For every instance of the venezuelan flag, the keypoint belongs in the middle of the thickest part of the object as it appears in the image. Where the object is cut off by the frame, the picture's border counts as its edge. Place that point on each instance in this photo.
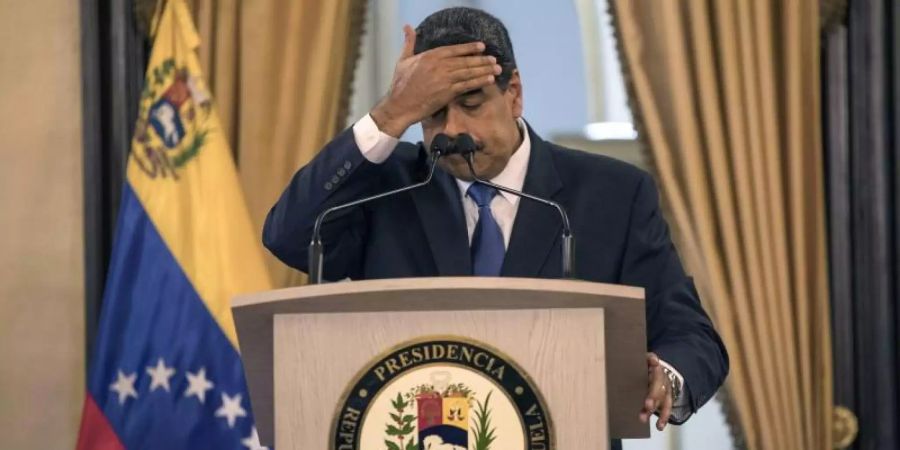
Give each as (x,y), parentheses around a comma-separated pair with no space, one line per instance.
(167,373)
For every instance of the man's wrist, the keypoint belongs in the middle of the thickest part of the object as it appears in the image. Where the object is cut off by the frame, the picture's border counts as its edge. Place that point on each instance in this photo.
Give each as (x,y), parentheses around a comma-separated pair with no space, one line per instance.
(674,381)
(375,145)
(388,119)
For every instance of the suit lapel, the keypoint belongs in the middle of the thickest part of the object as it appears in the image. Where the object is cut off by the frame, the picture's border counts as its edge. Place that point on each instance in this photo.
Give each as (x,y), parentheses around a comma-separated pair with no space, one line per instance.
(537,227)
(440,211)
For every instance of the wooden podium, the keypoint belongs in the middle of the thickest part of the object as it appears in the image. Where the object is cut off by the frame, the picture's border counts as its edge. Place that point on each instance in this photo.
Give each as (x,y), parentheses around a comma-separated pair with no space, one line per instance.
(580,346)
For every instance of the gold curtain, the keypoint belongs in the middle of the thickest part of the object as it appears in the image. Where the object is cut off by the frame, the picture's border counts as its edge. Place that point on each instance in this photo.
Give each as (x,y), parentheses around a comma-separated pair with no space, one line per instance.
(726,97)
(280,72)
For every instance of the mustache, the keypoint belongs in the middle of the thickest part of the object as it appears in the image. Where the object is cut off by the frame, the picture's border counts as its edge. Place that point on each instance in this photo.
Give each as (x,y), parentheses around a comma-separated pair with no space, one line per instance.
(458,145)
(479,145)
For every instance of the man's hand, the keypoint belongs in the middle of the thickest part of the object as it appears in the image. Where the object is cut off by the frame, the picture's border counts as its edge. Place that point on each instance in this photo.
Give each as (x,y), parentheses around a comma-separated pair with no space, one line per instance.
(659,399)
(427,82)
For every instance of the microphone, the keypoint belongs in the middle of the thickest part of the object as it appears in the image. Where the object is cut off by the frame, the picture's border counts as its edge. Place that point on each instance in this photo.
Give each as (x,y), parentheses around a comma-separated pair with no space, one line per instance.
(465,145)
(439,147)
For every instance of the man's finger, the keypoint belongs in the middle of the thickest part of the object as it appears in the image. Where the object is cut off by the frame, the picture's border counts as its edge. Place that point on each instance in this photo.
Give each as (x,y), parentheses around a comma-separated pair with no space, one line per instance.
(651,404)
(665,411)
(655,397)
(473,72)
(464,62)
(656,392)
(471,84)
(409,42)
(449,51)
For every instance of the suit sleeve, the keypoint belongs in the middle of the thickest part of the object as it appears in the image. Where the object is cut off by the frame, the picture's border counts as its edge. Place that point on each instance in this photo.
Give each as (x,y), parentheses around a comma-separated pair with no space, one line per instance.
(678,329)
(338,174)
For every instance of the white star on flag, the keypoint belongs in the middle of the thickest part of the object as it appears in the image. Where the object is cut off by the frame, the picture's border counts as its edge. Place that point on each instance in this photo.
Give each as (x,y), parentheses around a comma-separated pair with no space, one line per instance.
(252,441)
(231,409)
(124,386)
(159,375)
(198,385)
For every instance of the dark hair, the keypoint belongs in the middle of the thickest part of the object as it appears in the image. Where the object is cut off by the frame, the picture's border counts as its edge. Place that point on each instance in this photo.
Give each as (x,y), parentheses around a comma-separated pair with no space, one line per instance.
(461,25)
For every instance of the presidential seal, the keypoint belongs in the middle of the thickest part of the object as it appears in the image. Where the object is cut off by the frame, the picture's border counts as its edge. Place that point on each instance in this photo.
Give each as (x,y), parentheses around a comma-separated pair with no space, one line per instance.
(447,393)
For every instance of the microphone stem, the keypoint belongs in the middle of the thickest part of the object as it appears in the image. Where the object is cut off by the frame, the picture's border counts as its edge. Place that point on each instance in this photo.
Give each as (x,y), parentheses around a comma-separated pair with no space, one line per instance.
(568,241)
(316,253)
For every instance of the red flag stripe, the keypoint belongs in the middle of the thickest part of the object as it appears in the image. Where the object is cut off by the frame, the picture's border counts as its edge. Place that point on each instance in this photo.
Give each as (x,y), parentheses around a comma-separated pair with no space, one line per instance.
(96,433)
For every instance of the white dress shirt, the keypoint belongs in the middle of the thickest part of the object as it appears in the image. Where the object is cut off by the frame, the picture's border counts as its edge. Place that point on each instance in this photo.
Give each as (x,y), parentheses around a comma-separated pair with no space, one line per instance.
(504,206)
(376,146)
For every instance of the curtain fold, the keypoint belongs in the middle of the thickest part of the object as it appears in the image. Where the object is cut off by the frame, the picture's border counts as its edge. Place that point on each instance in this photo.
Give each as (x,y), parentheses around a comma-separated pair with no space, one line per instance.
(726,97)
(281,73)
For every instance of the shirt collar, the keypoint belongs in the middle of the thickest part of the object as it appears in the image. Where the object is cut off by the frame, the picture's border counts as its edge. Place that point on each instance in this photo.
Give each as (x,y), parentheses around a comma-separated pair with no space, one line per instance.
(513,175)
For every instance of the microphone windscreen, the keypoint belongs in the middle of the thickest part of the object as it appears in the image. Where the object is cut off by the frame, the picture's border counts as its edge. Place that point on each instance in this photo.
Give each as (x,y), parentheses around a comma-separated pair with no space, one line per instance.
(465,144)
(440,143)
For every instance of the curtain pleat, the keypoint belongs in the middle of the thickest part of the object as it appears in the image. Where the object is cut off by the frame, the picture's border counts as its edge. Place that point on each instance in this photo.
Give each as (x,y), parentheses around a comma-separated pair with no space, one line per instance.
(281,72)
(725,94)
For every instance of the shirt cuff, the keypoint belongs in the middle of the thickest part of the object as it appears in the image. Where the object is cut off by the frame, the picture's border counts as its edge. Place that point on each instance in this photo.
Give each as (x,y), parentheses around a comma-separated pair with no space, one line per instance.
(375,145)
(681,409)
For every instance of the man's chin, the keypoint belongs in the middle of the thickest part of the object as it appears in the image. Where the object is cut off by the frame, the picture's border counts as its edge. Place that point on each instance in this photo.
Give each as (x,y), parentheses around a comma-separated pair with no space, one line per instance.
(456,166)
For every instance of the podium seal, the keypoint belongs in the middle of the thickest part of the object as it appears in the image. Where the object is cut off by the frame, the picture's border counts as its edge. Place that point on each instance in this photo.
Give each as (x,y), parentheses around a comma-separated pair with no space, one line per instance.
(442,393)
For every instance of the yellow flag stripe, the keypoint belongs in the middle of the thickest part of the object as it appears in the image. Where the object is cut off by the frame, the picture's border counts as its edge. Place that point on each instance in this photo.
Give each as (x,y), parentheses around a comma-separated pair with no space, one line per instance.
(197,207)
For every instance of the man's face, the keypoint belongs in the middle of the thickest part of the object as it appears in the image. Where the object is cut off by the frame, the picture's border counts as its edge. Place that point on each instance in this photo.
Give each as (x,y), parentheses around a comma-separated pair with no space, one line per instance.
(489,116)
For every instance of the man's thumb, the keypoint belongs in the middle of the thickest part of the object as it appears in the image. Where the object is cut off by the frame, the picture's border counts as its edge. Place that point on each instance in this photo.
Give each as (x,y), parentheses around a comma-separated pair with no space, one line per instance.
(409,41)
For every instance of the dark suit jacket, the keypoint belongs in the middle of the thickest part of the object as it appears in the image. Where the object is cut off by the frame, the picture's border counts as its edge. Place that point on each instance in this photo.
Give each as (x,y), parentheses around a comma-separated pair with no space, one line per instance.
(620,236)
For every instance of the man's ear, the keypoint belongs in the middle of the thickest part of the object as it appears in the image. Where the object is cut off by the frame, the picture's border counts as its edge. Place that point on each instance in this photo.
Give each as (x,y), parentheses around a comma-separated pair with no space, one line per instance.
(514,94)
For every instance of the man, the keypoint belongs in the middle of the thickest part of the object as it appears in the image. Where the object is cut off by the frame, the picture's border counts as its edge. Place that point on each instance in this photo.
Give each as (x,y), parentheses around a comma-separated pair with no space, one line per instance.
(457,74)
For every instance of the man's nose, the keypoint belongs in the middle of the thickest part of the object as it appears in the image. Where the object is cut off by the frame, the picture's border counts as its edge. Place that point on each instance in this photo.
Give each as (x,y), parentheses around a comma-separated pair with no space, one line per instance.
(455,124)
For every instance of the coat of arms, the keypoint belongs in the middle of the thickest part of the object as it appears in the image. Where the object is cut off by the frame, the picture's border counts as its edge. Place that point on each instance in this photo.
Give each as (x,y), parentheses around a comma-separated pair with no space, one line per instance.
(443,414)
(172,125)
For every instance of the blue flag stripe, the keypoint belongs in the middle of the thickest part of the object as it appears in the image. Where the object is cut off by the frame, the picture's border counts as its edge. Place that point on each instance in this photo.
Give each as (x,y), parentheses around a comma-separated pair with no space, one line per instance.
(151,312)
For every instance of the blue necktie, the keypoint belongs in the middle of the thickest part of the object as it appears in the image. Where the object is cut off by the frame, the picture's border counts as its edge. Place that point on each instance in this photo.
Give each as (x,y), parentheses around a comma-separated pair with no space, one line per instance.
(487,240)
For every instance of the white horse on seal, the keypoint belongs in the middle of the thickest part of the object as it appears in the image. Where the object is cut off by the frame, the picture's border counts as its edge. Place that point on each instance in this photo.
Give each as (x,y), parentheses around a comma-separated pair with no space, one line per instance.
(436,443)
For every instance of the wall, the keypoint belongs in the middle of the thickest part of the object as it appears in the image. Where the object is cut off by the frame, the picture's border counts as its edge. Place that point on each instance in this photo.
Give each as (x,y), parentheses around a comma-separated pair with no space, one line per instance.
(41,268)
